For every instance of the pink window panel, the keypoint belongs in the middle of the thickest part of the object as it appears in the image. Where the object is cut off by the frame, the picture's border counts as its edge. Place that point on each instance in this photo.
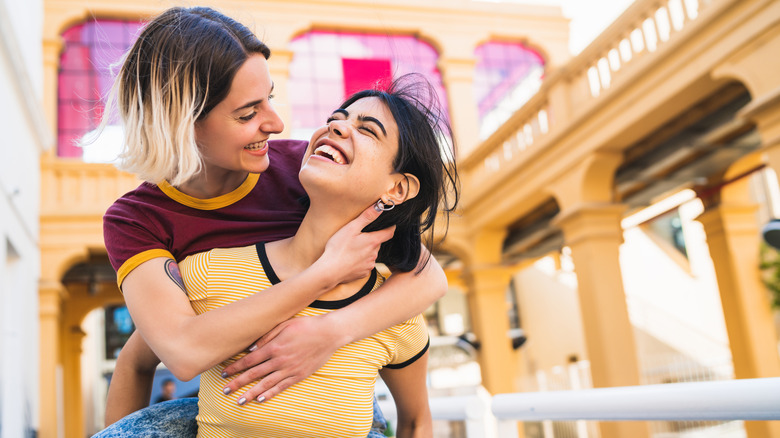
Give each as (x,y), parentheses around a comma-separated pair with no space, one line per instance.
(329,66)
(362,74)
(85,77)
(500,66)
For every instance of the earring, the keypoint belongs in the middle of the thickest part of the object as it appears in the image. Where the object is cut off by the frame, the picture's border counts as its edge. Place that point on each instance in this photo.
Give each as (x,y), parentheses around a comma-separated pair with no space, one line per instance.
(381,206)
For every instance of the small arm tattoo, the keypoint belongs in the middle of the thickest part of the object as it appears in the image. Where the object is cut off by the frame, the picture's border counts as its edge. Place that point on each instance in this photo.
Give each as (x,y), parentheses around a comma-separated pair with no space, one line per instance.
(172,269)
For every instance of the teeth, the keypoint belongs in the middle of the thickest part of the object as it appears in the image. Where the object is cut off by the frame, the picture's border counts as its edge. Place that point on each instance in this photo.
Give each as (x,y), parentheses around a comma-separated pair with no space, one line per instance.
(255,146)
(330,152)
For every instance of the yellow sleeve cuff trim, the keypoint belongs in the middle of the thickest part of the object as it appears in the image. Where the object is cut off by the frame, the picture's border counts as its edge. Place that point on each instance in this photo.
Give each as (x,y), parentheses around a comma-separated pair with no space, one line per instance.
(136,260)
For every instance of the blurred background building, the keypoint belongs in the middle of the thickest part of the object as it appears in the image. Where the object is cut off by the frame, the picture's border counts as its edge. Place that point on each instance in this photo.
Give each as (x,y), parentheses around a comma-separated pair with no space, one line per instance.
(609,233)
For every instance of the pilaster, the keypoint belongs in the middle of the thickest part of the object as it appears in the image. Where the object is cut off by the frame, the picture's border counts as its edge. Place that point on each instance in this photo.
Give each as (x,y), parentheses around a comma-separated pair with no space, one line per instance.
(458,79)
(487,282)
(50,296)
(594,234)
(74,402)
(765,113)
(487,288)
(52,48)
(733,239)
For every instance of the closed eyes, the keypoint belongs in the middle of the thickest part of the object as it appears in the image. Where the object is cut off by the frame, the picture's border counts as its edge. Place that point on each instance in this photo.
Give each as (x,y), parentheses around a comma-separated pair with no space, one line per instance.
(365,127)
(251,116)
(248,117)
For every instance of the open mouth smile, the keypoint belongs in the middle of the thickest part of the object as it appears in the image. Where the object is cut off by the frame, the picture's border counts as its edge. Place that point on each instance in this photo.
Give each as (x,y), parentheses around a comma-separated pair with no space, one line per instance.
(331,153)
(256,146)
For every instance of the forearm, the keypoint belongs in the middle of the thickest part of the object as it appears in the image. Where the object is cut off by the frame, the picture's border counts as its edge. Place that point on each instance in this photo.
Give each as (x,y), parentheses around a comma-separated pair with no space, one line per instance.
(189,344)
(419,427)
(410,392)
(402,297)
(131,382)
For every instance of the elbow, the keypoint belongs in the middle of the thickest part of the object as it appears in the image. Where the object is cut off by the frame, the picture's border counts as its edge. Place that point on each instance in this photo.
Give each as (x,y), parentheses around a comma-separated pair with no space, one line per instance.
(183,363)
(183,372)
(438,278)
(441,289)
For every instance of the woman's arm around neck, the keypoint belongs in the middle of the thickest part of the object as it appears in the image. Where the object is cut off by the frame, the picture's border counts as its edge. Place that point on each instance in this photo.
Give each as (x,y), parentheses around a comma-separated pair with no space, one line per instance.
(307,343)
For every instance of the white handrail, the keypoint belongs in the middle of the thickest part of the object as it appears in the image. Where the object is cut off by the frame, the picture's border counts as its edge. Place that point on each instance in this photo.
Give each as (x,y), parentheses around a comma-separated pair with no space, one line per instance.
(744,399)
(473,410)
(497,416)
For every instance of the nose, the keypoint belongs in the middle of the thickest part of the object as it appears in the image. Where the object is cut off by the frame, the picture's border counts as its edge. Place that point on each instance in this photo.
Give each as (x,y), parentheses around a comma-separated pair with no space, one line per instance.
(272,123)
(339,127)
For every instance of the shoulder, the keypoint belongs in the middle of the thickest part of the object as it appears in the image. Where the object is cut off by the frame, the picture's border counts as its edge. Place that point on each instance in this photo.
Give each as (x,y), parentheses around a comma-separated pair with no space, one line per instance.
(131,225)
(289,144)
(286,157)
(411,341)
(288,150)
(145,195)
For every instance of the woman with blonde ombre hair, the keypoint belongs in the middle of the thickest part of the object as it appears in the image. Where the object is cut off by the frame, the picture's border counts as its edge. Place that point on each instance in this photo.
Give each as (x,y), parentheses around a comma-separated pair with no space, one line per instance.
(193,94)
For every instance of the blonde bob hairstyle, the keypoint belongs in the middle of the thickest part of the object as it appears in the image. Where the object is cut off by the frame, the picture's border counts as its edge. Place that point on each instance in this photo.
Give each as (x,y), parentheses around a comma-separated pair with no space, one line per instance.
(180,67)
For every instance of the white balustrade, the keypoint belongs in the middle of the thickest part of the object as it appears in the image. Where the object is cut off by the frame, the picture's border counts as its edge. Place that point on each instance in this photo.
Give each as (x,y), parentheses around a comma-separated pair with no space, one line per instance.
(644,29)
(744,399)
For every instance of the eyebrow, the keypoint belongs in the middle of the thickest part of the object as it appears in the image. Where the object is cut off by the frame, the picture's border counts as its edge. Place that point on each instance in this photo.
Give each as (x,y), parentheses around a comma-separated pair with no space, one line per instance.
(363,118)
(254,102)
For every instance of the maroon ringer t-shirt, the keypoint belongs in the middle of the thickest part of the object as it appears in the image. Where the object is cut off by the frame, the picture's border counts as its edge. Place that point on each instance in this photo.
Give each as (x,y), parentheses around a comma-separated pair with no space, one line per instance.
(160,221)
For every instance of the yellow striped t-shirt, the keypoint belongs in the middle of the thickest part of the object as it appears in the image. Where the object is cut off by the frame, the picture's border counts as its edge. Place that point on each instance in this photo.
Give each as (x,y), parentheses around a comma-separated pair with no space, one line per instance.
(336,401)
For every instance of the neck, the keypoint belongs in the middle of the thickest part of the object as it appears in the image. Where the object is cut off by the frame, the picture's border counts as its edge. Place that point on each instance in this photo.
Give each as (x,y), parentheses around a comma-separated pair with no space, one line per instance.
(293,255)
(207,185)
(317,227)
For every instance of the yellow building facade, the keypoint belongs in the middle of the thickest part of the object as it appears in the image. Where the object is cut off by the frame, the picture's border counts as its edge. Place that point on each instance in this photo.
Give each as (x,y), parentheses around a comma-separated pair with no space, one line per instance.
(673,95)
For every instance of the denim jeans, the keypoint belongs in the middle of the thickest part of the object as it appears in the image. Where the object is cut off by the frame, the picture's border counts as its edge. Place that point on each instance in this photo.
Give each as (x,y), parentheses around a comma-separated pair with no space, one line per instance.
(176,419)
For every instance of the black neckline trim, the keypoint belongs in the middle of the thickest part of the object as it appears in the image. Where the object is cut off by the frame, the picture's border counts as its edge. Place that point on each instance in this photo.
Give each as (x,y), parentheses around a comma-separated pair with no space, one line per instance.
(269,270)
(317,304)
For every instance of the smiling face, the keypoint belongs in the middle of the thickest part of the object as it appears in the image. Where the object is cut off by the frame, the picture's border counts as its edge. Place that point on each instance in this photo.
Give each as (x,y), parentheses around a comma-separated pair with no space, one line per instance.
(233,136)
(352,156)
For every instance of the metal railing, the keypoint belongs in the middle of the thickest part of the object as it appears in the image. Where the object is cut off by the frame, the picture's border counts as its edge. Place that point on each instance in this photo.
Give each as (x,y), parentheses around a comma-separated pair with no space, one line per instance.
(497,416)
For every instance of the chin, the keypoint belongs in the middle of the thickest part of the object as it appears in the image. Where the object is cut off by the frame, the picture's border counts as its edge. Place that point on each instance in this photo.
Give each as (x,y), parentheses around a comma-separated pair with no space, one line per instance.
(313,181)
(260,166)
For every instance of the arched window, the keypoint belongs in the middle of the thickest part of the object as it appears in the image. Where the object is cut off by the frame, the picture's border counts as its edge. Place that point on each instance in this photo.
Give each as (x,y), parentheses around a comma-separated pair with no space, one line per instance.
(506,76)
(329,66)
(84,79)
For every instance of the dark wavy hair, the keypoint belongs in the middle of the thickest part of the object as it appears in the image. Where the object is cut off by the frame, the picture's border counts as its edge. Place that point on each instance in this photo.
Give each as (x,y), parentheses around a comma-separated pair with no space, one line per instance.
(425,150)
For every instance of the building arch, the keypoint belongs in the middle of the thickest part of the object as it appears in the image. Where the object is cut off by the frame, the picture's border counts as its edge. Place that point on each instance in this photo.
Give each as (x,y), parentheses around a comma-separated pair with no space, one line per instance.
(590,181)
(455,247)
(735,179)
(57,263)
(749,64)
(89,285)
(526,42)
(326,66)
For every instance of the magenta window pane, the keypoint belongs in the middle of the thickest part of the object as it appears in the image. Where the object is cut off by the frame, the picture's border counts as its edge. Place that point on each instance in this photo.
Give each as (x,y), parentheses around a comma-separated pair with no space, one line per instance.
(73,34)
(77,58)
(500,67)
(85,77)
(319,76)
(77,119)
(66,145)
(360,74)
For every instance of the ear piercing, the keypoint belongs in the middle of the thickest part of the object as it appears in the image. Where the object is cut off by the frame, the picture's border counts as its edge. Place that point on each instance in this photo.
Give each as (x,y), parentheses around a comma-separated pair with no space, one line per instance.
(381,206)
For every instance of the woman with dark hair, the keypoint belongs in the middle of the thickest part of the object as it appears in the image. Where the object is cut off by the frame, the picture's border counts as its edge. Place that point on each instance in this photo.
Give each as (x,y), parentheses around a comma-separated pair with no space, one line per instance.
(193,94)
(380,148)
